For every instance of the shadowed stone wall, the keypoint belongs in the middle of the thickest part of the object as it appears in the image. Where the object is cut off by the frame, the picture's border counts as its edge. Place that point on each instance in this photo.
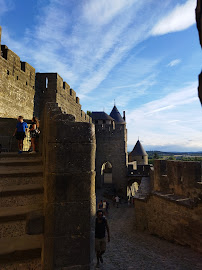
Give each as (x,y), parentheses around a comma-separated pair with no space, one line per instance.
(199,26)
(17,85)
(111,145)
(180,178)
(173,210)
(69,162)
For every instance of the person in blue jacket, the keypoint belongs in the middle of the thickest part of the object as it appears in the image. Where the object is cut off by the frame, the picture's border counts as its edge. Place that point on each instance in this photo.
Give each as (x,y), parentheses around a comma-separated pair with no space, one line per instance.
(20,132)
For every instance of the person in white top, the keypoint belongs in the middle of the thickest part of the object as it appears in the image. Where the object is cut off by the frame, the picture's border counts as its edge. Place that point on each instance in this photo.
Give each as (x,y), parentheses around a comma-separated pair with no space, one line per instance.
(117,199)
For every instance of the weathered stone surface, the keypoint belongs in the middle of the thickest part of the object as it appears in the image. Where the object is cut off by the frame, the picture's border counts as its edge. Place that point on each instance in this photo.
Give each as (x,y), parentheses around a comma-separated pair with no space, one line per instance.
(69,193)
(70,187)
(199,26)
(170,220)
(51,88)
(35,222)
(111,146)
(17,85)
(177,177)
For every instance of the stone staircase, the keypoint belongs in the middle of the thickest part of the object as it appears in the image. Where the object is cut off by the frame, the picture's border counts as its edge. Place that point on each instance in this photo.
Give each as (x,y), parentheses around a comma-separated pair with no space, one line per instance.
(21,189)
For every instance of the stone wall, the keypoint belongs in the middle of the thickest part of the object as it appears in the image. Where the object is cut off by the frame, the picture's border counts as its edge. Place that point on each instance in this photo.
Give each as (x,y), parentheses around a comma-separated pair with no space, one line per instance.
(173,209)
(17,85)
(170,220)
(180,178)
(199,19)
(199,26)
(50,87)
(69,187)
(111,145)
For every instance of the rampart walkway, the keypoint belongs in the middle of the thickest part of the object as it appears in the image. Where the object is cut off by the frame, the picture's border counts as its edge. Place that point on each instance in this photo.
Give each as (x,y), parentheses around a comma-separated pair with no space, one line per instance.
(132,250)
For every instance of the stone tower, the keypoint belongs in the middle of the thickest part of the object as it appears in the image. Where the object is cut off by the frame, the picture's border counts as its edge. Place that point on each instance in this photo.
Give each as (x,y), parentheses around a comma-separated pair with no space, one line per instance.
(111,147)
(138,154)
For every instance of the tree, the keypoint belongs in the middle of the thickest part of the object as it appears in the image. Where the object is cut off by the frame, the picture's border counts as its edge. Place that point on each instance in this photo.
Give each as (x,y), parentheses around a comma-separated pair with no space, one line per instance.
(155,156)
(89,113)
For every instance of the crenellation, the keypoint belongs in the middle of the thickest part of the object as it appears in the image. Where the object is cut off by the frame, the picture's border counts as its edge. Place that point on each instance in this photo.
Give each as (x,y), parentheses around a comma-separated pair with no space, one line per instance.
(17,87)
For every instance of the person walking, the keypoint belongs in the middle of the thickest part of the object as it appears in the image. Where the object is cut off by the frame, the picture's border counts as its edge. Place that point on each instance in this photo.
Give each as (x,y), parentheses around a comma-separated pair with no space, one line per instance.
(20,132)
(117,199)
(34,133)
(101,226)
(100,205)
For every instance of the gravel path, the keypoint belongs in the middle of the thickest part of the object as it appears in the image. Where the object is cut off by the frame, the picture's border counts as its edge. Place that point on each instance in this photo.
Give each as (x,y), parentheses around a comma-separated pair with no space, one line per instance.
(132,250)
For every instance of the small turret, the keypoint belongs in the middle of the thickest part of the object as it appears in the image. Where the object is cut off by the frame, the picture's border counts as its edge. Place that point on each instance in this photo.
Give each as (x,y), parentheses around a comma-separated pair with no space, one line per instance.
(138,154)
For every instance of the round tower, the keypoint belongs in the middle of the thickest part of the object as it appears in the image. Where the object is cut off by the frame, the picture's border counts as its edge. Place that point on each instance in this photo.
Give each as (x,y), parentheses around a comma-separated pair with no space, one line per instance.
(138,154)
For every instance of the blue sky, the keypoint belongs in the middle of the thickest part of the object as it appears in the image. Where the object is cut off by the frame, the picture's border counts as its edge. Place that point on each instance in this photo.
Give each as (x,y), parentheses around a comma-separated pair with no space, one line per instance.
(144,54)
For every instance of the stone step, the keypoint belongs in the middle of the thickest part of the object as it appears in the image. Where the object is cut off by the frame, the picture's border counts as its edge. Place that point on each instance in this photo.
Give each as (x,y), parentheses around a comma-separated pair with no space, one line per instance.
(21,162)
(19,195)
(14,155)
(17,213)
(20,248)
(13,219)
(21,180)
(20,171)
(21,190)
(27,264)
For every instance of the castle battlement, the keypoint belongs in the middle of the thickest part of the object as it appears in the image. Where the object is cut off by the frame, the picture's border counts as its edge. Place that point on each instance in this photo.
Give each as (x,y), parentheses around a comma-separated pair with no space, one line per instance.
(20,96)
(50,87)
(110,129)
(17,85)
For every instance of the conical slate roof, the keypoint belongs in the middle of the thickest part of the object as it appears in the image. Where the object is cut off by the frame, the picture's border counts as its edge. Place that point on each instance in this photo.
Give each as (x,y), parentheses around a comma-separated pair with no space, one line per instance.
(138,150)
(101,116)
(116,115)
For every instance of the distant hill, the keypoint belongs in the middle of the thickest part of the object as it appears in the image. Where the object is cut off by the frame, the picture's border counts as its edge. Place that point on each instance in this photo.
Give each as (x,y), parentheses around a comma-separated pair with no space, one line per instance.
(160,153)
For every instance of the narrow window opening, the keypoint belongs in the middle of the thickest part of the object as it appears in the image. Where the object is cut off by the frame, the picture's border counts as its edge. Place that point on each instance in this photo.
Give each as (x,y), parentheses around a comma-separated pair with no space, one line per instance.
(71,91)
(17,77)
(26,83)
(46,82)
(8,72)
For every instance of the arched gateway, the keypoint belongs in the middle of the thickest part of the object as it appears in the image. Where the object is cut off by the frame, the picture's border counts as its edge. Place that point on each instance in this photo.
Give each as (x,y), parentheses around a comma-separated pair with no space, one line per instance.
(111,146)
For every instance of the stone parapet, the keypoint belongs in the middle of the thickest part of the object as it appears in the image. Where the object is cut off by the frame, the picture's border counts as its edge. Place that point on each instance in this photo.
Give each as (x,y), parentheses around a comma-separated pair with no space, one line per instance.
(171,218)
(50,87)
(17,86)
(69,190)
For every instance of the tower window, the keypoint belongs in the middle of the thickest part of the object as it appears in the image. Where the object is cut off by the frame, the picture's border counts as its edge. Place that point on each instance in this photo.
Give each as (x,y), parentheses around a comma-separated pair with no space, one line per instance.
(46,82)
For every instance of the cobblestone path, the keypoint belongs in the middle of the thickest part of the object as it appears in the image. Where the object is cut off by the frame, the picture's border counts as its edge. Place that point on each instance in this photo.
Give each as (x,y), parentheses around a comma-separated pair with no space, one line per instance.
(132,250)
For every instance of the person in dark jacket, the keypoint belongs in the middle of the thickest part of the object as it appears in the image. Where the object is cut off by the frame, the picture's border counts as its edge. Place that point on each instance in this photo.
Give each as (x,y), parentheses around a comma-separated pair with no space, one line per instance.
(101,226)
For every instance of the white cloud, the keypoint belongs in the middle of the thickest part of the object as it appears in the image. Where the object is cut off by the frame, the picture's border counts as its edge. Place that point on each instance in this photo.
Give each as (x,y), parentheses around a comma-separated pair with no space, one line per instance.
(5,6)
(104,11)
(171,120)
(174,63)
(181,18)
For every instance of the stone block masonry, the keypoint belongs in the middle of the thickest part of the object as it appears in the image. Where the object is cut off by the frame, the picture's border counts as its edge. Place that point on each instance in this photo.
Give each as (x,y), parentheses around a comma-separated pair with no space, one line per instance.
(50,87)
(69,187)
(17,85)
(173,209)
(111,146)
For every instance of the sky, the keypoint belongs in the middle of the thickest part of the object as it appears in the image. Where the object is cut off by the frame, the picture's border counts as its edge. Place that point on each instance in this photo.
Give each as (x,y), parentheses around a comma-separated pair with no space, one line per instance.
(144,54)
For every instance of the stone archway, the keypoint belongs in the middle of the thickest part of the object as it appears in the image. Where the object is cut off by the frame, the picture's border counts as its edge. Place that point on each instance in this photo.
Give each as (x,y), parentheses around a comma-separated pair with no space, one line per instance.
(106,173)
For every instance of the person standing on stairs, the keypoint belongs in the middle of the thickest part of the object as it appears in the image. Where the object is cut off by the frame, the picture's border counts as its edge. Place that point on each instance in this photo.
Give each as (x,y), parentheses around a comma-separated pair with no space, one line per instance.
(20,132)
(34,134)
